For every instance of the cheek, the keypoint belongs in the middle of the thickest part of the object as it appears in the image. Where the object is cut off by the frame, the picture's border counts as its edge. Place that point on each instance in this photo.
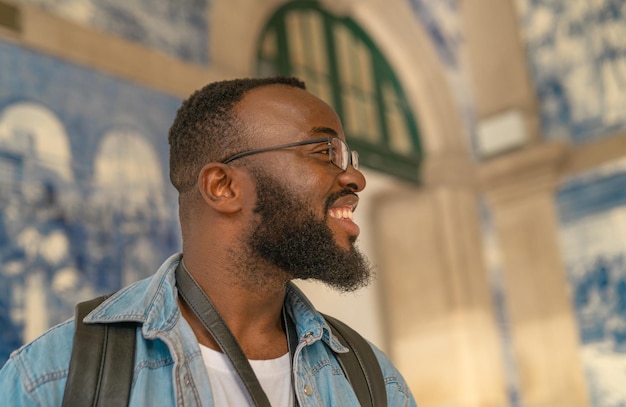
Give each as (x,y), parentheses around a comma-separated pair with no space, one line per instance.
(313,184)
(310,181)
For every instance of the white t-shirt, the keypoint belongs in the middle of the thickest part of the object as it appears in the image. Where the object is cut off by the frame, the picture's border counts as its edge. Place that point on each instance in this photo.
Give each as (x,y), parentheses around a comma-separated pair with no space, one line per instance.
(228,389)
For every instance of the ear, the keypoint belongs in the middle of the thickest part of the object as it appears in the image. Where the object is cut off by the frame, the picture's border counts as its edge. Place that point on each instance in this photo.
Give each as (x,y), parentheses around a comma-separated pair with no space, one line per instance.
(220,187)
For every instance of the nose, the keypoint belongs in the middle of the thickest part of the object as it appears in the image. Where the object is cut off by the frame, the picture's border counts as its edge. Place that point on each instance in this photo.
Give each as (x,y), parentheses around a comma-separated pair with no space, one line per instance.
(352,179)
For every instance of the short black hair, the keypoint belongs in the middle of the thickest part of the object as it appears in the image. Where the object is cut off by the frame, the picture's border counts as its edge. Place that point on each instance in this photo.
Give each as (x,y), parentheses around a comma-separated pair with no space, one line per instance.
(206,130)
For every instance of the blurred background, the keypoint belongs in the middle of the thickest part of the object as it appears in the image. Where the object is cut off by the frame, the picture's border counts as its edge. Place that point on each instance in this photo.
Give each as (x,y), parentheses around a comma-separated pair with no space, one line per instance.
(492,134)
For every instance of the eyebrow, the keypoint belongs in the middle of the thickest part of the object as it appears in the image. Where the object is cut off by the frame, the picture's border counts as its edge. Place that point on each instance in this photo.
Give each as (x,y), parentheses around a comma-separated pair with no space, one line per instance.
(315,131)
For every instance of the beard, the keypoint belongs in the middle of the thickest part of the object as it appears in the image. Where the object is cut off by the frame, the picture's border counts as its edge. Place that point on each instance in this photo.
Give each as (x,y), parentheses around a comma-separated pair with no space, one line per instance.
(291,237)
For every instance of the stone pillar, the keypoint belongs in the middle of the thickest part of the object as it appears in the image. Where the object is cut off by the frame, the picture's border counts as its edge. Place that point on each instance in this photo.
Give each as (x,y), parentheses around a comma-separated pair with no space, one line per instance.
(520,188)
(441,325)
(495,56)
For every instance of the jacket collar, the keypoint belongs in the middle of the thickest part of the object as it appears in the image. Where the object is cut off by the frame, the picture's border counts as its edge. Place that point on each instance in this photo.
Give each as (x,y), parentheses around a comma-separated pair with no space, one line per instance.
(153,302)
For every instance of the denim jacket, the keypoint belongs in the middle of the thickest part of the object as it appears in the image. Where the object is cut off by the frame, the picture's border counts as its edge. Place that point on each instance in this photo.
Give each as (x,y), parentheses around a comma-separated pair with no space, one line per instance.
(169,369)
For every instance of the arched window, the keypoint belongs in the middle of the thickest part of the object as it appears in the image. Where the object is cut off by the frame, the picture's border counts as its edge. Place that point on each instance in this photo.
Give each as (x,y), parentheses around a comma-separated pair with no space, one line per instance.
(343,66)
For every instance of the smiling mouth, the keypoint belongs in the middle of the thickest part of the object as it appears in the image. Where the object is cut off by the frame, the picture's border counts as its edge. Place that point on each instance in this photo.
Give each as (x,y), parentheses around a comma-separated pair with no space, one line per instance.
(344,206)
(342,211)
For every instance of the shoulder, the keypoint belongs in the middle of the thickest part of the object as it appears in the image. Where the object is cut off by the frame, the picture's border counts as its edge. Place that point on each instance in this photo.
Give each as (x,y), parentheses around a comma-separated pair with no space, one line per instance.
(39,367)
(398,391)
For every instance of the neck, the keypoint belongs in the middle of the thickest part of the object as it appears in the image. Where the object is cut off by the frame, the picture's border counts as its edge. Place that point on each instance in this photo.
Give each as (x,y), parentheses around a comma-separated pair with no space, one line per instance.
(251,309)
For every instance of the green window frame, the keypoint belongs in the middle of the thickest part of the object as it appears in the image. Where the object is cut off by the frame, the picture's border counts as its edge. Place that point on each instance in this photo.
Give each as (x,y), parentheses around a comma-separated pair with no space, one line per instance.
(342,65)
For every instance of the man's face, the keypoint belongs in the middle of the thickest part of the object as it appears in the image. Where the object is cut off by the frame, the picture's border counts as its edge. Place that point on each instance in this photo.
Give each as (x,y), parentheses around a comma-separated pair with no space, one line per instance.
(292,237)
(303,209)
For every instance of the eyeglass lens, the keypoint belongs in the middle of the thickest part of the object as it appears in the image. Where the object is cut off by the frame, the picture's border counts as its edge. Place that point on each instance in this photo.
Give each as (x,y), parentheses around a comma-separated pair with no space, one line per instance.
(341,155)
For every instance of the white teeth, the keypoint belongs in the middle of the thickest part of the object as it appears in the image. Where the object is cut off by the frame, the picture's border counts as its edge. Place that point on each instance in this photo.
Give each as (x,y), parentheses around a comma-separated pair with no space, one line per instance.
(341,213)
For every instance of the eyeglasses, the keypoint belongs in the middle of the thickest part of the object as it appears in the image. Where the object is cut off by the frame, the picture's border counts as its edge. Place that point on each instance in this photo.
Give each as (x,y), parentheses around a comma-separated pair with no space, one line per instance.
(339,153)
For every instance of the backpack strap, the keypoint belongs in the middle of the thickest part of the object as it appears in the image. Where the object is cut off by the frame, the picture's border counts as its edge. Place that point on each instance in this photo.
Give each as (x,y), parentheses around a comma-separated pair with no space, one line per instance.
(360,365)
(103,361)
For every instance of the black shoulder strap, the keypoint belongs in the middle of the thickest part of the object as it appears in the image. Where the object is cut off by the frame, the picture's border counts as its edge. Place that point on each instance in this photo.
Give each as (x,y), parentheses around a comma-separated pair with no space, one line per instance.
(360,365)
(206,312)
(102,364)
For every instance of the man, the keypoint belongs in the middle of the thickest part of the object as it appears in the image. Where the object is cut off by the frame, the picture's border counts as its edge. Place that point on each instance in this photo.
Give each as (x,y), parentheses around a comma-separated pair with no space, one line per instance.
(267,187)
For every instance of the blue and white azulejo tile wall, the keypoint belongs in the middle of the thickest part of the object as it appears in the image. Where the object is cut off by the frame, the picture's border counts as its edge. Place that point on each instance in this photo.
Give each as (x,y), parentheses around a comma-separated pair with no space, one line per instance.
(86,204)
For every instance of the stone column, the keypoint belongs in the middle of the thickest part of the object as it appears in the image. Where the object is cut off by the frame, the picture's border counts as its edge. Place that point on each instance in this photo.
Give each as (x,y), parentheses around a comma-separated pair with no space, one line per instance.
(520,188)
(441,324)
(496,61)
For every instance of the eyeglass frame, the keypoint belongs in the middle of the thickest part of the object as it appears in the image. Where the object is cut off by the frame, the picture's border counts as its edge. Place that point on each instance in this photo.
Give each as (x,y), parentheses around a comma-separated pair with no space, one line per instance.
(353,156)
